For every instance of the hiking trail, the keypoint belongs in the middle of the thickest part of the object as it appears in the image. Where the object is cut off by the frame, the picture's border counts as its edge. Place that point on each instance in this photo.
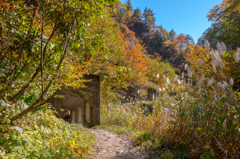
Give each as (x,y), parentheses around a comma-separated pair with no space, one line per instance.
(110,145)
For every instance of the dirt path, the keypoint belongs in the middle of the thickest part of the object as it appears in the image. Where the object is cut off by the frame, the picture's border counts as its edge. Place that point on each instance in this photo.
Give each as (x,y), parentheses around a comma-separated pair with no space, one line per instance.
(110,145)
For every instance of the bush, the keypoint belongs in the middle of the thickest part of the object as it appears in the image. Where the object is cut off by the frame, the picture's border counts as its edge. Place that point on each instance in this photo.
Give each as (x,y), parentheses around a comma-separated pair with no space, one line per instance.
(45,136)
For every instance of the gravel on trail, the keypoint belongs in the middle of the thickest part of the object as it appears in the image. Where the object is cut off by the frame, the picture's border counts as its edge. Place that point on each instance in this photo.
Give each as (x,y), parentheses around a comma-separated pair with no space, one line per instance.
(110,145)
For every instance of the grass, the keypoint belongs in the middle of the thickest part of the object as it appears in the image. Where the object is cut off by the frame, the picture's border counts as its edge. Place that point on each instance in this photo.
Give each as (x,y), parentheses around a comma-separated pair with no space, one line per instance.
(45,136)
(183,125)
(129,119)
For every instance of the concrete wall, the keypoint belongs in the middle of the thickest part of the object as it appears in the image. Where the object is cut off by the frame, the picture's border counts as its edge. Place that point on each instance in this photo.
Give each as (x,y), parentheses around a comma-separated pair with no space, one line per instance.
(152,93)
(82,103)
(94,87)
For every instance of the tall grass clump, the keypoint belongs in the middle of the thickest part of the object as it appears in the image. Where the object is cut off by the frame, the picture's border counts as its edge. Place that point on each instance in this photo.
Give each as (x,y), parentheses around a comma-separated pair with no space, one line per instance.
(208,123)
(43,135)
(119,118)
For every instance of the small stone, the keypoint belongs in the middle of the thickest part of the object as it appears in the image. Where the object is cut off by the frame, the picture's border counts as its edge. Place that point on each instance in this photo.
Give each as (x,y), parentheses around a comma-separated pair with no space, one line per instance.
(119,151)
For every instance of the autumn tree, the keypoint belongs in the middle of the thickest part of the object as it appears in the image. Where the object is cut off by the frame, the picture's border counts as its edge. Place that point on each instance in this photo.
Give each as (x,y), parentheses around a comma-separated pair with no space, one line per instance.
(35,43)
(149,18)
(176,49)
(213,65)
(136,59)
(158,70)
(120,13)
(109,59)
(129,6)
(172,34)
(137,14)
(226,23)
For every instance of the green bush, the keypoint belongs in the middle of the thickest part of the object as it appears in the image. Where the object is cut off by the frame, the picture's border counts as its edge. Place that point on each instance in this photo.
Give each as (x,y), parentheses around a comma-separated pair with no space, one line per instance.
(45,136)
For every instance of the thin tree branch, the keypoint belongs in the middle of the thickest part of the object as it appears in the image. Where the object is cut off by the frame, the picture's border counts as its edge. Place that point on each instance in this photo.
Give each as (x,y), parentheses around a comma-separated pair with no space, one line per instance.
(31,108)
(41,61)
(16,96)
(9,76)
(41,99)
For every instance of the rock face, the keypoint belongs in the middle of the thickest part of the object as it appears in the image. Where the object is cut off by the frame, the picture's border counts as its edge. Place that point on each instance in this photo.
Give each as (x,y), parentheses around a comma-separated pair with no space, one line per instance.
(200,41)
(80,105)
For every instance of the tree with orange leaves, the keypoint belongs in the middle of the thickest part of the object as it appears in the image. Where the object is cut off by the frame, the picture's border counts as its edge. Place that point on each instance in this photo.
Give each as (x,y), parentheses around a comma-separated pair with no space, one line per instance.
(136,59)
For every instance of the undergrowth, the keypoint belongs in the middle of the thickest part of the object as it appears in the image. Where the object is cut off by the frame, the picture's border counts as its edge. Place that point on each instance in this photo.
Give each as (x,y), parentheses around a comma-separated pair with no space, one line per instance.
(145,130)
(43,135)
(181,126)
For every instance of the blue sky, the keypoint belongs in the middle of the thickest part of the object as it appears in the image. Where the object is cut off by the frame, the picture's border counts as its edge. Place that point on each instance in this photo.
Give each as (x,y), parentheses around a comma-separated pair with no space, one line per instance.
(183,16)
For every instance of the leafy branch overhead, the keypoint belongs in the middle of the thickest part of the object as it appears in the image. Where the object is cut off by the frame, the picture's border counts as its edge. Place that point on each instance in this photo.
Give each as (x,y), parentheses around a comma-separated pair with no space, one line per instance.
(38,39)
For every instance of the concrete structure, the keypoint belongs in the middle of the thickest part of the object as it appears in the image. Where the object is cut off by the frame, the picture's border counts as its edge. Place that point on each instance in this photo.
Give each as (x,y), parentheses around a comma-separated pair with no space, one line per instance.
(152,93)
(129,94)
(80,105)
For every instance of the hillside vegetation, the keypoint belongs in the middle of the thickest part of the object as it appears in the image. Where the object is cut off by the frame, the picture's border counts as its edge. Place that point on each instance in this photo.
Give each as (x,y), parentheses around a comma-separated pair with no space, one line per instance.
(48,44)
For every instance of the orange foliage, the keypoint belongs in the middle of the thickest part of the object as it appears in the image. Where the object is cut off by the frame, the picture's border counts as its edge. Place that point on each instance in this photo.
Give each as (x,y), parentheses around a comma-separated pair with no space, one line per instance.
(77,151)
(162,31)
(136,59)
(5,5)
(129,13)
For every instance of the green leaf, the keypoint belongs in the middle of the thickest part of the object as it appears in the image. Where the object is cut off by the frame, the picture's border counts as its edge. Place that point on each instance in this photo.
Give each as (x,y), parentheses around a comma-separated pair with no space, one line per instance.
(207,155)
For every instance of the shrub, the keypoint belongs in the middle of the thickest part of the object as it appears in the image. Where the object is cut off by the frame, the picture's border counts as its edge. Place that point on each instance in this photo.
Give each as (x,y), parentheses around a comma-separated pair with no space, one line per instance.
(45,136)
